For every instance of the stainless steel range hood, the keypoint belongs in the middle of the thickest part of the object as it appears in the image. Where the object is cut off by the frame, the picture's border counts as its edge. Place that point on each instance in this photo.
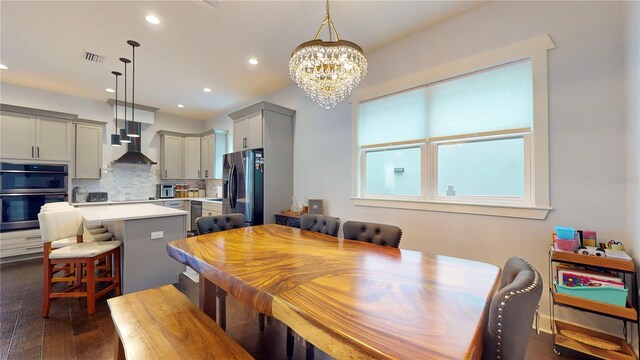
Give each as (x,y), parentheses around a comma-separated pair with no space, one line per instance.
(134,155)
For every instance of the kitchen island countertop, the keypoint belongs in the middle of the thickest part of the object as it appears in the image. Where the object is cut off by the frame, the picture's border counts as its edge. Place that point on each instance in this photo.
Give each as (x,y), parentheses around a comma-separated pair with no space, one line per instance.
(95,215)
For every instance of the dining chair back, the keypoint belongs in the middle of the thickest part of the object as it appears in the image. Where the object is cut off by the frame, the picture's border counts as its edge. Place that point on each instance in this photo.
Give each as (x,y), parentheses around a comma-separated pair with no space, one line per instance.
(512,310)
(379,234)
(210,224)
(328,225)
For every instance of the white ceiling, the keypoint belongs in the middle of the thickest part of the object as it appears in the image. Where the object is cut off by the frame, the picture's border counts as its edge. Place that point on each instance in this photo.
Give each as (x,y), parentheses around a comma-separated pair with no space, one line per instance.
(194,46)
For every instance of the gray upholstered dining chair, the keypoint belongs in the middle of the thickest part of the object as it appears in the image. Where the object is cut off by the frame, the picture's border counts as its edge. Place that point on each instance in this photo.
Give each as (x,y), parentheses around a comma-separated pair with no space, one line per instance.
(319,223)
(380,234)
(512,310)
(211,224)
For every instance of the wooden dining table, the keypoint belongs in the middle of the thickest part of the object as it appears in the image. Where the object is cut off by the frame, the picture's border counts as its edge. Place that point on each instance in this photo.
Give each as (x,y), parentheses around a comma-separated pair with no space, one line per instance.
(350,299)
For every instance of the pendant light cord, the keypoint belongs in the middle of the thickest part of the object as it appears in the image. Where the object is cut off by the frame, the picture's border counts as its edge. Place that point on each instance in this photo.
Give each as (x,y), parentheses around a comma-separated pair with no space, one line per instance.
(116,104)
(133,85)
(125,96)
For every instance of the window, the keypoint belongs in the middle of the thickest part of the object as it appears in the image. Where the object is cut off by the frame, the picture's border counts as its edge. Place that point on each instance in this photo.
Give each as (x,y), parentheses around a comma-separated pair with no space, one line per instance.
(460,142)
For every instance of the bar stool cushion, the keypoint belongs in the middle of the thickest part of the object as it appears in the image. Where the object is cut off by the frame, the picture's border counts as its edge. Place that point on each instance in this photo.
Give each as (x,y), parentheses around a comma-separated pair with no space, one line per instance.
(95,230)
(84,250)
(87,238)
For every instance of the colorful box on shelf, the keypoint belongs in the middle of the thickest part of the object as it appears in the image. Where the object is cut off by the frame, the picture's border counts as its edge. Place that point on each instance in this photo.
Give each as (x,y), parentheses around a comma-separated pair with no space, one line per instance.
(565,244)
(605,294)
(564,232)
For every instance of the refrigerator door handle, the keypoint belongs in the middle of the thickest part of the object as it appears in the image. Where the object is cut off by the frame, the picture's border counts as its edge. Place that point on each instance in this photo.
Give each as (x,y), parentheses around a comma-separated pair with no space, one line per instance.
(233,187)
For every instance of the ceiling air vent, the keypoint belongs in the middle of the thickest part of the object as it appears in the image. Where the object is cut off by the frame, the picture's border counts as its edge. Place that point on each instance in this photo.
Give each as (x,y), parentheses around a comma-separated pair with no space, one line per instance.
(89,56)
(211,4)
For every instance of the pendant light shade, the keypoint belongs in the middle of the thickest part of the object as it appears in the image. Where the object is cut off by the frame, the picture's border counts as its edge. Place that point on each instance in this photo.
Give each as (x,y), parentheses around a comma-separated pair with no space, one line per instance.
(115,137)
(328,70)
(133,128)
(124,135)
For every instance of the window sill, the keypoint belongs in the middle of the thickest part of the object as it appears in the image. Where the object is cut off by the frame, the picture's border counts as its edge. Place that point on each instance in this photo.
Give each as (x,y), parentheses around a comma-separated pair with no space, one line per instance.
(514,211)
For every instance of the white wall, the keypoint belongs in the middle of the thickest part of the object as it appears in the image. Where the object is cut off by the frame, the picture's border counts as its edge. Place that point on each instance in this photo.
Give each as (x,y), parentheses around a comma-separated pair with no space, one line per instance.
(632,67)
(586,120)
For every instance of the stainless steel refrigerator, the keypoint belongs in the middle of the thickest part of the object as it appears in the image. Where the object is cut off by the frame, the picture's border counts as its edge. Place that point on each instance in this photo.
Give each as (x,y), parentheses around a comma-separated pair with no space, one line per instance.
(243,185)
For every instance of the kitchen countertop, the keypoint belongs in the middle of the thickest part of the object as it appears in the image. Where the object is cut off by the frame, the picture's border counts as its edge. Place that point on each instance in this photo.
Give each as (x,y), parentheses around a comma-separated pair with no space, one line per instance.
(122,202)
(94,215)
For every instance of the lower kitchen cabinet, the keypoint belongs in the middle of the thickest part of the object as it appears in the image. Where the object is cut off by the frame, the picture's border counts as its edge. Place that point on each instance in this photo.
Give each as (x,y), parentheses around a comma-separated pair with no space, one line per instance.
(211,209)
(16,243)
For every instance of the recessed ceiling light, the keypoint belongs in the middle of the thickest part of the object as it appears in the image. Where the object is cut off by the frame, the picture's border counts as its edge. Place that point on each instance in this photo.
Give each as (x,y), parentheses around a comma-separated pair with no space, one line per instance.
(109,90)
(206,90)
(180,106)
(3,67)
(253,61)
(152,19)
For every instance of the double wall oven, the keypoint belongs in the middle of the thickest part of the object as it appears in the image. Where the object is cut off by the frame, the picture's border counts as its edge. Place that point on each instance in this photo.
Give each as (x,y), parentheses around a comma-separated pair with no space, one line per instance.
(24,188)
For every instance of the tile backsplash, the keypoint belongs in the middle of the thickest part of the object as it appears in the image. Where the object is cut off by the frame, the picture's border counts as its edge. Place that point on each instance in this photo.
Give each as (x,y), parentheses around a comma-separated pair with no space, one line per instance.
(137,182)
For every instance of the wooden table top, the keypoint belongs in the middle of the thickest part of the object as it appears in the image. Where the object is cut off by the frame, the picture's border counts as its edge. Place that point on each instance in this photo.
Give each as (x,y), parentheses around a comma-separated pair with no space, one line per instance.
(350,299)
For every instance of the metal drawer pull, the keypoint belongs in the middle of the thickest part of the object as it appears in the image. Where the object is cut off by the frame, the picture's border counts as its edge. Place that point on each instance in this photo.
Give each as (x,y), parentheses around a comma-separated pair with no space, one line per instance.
(33,238)
(34,248)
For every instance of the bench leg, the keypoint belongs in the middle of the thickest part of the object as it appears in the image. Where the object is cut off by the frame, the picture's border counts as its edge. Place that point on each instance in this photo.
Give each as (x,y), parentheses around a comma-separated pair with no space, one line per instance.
(207,297)
(290,343)
(119,353)
(222,302)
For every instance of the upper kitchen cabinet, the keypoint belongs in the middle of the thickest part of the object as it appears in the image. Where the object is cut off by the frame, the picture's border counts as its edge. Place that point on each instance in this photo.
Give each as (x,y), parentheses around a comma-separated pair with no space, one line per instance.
(192,158)
(259,124)
(171,156)
(88,150)
(213,146)
(247,132)
(32,134)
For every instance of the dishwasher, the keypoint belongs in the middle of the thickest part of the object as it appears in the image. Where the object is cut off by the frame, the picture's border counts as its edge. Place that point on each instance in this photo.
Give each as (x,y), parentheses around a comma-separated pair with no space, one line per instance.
(196,212)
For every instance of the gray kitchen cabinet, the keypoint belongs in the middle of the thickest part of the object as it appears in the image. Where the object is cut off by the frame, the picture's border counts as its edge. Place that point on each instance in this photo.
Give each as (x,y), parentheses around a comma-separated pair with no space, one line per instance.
(207,159)
(171,156)
(248,132)
(213,146)
(88,151)
(192,158)
(28,136)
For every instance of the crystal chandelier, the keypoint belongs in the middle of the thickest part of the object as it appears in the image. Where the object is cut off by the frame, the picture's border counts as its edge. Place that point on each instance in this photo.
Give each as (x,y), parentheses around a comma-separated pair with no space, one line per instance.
(328,70)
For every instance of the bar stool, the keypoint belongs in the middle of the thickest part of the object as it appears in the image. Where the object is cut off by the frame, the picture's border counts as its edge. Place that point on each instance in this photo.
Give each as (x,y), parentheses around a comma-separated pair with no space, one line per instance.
(67,223)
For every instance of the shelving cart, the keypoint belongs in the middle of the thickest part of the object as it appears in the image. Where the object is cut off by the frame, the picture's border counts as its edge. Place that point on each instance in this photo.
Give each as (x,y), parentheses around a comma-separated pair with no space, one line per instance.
(623,268)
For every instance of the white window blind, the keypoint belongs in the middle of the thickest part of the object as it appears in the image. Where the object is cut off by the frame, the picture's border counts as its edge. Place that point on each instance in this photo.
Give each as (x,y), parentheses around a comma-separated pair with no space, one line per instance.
(494,99)
(394,118)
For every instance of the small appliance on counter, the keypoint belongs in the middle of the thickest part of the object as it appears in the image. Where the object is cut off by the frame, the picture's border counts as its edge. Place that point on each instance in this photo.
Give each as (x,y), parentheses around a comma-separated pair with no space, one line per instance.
(97,196)
(79,194)
(165,191)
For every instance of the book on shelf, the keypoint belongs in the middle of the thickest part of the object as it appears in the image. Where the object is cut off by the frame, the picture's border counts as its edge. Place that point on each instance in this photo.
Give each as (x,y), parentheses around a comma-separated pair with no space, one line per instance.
(578,277)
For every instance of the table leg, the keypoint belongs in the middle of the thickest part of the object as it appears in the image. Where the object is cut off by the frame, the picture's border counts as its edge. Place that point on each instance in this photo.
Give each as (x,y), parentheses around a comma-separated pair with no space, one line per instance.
(222,302)
(289,343)
(261,321)
(208,297)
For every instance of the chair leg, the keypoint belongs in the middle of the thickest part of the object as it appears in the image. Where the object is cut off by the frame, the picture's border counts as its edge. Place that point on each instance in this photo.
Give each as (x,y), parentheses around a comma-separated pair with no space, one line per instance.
(310,350)
(222,302)
(290,343)
(46,298)
(91,287)
(116,271)
(119,352)
(261,321)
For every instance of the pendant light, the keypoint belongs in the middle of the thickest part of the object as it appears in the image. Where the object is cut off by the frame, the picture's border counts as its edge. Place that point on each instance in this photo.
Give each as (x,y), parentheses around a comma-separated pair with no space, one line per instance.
(328,70)
(124,137)
(133,128)
(115,137)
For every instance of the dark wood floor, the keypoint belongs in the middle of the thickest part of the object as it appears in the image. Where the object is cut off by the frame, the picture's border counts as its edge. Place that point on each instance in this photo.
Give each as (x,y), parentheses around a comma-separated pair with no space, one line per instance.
(69,333)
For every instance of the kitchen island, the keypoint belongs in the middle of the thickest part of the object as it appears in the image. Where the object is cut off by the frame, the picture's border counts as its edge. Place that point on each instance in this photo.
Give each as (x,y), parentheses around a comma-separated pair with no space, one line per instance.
(145,230)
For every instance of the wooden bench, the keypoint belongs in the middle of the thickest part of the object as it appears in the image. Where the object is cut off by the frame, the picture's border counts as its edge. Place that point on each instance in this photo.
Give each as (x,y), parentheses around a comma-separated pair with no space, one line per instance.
(162,323)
